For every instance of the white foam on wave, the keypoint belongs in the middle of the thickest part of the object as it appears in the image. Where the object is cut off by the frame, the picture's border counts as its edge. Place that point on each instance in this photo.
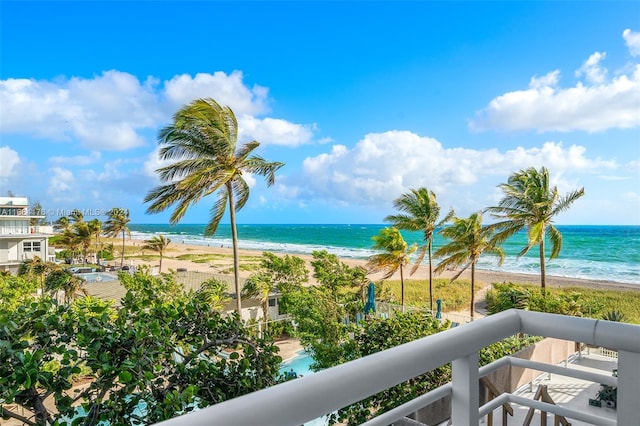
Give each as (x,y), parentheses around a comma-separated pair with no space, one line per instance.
(571,268)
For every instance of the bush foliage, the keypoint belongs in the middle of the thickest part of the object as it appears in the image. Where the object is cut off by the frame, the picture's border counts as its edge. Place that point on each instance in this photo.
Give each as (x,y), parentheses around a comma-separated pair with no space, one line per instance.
(576,301)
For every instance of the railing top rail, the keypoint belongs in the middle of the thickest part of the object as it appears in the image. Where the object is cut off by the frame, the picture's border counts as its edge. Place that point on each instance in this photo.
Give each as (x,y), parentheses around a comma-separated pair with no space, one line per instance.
(298,401)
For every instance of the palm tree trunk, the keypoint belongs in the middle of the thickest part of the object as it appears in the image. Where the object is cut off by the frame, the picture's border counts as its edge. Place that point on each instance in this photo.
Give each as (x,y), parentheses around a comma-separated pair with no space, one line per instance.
(430,277)
(160,267)
(473,287)
(122,255)
(402,287)
(542,268)
(265,313)
(234,239)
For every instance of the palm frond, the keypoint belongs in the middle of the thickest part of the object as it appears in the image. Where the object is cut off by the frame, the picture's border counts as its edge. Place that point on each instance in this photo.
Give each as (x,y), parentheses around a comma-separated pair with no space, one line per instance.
(217,211)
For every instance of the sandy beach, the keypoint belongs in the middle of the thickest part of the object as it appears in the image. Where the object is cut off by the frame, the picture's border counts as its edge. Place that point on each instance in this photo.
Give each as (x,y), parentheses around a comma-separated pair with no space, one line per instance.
(220,260)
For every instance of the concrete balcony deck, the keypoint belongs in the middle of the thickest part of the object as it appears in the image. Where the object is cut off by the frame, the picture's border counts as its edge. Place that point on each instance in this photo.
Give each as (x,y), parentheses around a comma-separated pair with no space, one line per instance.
(302,400)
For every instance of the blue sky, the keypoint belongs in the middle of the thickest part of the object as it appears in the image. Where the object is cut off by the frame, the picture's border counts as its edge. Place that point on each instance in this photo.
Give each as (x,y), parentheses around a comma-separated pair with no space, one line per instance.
(362,101)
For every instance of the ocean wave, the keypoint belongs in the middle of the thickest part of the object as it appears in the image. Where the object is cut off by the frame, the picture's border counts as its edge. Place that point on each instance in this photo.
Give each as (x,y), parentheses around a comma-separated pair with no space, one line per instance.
(584,267)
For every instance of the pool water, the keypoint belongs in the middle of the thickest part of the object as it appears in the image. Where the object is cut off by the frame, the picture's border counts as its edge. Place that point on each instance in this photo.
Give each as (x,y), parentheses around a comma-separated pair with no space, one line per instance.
(301,364)
(94,277)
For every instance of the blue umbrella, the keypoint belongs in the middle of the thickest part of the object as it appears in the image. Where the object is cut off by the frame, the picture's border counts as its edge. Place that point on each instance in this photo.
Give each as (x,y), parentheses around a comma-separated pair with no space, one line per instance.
(439,311)
(371,299)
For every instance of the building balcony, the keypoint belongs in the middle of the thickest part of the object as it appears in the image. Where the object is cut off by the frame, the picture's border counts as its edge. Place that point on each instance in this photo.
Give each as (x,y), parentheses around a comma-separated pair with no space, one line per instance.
(302,400)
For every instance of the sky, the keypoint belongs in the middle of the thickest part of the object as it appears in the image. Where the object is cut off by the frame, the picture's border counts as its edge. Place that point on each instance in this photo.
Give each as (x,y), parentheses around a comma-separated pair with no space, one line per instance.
(362,101)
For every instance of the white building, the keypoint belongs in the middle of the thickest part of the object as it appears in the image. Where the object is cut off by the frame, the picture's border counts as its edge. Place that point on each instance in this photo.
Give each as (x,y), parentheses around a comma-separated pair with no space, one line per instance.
(19,240)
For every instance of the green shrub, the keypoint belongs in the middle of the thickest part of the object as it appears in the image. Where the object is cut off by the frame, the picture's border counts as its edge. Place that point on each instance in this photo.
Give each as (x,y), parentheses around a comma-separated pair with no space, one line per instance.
(575,301)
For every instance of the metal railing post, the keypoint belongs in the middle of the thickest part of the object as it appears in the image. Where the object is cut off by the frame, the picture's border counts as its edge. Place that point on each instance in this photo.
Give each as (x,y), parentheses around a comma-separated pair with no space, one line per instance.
(465,394)
(628,388)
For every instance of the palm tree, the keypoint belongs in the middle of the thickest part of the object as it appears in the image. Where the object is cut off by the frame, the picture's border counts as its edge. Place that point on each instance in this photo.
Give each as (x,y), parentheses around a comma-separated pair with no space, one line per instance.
(469,240)
(420,212)
(202,141)
(395,254)
(62,223)
(360,280)
(95,227)
(68,239)
(35,269)
(214,293)
(63,279)
(117,223)
(530,203)
(159,244)
(260,285)
(77,216)
(83,237)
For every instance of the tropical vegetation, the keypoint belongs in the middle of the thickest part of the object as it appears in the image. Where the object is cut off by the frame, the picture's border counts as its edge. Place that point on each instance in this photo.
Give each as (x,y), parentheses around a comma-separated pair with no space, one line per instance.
(419,211)
(159,244)
(202,146)
(164,352)
(116,224)
(530,203)
(611,305)
(394,254)
(469,241)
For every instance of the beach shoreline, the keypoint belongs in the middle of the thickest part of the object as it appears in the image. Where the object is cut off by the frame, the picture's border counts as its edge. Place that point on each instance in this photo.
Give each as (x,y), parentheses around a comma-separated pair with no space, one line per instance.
(483,276)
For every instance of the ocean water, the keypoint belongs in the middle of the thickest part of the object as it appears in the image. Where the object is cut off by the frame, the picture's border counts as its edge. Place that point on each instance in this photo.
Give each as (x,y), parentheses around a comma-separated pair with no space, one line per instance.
(601,252)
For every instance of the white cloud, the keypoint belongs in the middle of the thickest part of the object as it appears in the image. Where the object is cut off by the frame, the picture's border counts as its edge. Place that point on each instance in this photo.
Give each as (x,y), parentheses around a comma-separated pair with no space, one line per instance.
(544,108)
(632,40)
(9,161)
(61,184)
(549,80)
(153,163)
(103,113)
(592,70)
(228,90)
(273,131)
(613,178)
(382,166)
(77,160)
(116,111)
(597,104)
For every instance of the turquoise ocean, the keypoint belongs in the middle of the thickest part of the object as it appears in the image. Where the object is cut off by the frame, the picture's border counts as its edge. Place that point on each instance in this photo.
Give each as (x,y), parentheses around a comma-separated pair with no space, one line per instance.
(610,253)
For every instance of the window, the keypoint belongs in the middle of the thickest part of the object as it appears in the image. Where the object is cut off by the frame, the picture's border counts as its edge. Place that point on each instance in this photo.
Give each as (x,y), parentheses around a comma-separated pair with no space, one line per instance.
(272,302)
(31,246)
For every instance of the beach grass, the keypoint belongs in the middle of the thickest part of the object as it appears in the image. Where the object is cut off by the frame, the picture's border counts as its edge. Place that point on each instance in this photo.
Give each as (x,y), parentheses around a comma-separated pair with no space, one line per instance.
(596,302)
(204,257)
(455,296)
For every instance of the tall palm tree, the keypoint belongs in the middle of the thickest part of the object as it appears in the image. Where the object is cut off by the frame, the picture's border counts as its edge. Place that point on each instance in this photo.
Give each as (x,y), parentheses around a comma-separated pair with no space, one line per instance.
(77,216)
(420,212)
(202,143)
(117,223)
(469,240)
(158,243)
(70,241)
(35,269)
(395,254)
(62,223)
(530,203)
(95,227)
(83,237)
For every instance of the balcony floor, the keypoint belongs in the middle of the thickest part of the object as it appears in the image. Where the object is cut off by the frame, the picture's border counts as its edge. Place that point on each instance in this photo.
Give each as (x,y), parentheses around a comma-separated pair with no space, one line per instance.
(565,391)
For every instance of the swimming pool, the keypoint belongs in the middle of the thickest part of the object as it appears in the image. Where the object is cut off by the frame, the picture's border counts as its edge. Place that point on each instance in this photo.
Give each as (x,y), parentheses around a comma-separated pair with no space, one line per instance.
(301,364)
(93,277)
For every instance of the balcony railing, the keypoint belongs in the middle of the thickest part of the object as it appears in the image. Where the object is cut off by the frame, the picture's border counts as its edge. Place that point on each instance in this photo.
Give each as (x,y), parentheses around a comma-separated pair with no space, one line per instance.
(298,401)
